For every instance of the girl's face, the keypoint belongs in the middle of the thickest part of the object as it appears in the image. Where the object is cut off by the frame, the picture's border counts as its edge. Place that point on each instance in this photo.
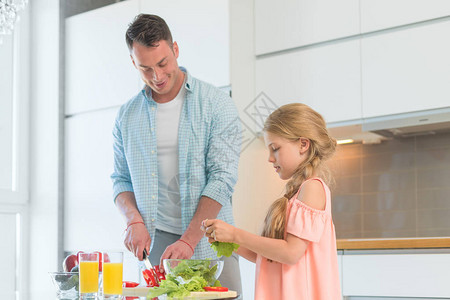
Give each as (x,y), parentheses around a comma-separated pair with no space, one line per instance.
(285,155)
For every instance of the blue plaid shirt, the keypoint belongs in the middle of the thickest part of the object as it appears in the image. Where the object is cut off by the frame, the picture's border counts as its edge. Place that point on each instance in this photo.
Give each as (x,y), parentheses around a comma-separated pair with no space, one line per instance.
(209,142)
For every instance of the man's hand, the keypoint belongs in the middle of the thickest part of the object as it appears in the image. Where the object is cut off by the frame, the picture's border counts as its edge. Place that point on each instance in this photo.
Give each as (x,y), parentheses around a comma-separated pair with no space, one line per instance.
(178,250)
(136,236)
(136,239)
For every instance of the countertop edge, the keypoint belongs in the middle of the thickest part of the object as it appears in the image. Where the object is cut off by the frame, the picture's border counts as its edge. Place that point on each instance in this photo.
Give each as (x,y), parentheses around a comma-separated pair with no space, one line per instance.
(397,243)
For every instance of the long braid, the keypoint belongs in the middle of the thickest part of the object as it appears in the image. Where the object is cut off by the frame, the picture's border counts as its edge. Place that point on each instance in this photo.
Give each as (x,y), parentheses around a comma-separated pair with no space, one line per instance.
(292,122)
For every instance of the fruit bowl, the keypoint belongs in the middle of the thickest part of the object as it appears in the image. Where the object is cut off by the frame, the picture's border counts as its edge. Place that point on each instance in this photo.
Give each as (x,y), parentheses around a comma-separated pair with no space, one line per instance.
(184,269)
(67,283)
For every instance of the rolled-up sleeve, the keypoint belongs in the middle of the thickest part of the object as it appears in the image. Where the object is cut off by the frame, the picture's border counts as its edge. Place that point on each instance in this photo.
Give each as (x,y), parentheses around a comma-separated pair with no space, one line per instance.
(224,146)
(121,176)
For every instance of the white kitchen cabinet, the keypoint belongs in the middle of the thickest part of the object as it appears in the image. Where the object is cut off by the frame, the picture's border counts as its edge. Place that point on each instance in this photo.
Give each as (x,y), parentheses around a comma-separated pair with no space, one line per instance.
(8,258)
(326,77)
(99,71)
(14,117)
(6,113)
(286,24)
(406,70)
(201,30)
(396,275)
(382,14)
(91,219)
(340,258)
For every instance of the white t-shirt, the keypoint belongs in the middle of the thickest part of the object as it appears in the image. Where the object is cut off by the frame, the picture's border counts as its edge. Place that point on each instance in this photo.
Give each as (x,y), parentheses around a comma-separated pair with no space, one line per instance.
(169,206)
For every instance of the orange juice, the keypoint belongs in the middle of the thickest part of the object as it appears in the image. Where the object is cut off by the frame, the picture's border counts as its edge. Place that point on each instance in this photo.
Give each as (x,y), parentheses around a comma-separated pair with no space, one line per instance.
(112,278)
(88,277)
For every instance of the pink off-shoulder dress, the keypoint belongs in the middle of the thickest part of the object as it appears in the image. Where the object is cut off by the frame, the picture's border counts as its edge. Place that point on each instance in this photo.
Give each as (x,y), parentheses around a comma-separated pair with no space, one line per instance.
(315,276)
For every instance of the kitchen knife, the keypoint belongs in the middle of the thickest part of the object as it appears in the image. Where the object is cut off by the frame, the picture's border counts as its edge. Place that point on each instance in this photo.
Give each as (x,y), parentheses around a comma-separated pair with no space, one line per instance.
(149,266)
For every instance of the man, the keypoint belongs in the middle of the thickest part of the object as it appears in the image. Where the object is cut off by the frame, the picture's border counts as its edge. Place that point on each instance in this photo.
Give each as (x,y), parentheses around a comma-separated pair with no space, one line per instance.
(176,152)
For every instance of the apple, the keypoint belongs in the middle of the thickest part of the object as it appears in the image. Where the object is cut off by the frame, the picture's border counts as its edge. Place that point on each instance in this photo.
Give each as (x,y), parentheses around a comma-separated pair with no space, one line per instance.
(78,255)
(92,256)
(100,260)
(70,262)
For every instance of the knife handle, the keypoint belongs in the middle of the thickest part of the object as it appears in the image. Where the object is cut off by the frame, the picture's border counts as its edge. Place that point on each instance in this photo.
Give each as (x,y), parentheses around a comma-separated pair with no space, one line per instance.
(145,253)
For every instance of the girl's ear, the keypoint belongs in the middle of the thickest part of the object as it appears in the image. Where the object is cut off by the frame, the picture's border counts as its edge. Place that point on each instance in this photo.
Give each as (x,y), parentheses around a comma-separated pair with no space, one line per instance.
(304,145)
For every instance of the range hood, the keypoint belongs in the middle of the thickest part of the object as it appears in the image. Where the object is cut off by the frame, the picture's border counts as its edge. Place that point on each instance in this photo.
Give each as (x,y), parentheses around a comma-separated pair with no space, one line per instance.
(375,129)
(409,124)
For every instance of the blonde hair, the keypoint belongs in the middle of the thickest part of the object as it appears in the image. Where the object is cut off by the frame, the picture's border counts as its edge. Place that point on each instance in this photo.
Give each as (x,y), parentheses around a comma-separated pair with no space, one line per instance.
(294,121)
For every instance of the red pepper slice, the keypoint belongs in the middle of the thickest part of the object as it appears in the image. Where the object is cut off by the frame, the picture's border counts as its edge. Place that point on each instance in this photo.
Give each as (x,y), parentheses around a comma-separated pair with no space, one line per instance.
(215,289)
(149,278)
(159,274)
(129,284)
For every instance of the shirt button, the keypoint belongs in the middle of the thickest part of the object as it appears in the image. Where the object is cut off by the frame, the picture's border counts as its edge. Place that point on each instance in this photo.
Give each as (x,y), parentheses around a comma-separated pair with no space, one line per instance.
(151,129)
(153,108)
(153,220)
(153,197)
(153,151)
(153,174)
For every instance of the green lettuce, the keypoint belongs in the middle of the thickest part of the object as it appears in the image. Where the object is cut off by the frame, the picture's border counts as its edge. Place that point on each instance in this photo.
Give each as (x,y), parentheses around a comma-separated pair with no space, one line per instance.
(171,287)
(188,269)
(224,249)
(196,284)
(196,275)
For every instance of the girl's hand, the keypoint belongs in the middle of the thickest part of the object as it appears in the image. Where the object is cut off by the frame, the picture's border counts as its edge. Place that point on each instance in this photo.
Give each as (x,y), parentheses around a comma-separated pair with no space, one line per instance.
(218,230)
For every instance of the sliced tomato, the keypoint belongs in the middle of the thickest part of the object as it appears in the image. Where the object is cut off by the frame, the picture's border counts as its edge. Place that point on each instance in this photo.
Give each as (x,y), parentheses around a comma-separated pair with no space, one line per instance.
(215,289)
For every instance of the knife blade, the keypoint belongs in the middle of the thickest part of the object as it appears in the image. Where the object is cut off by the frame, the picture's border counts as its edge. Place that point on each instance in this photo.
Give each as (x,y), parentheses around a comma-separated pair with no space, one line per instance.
(149,266)
(147,262)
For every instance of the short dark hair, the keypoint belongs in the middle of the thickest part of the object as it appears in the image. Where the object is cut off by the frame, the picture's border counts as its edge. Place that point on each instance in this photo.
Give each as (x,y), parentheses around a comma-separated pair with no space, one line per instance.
(148,30)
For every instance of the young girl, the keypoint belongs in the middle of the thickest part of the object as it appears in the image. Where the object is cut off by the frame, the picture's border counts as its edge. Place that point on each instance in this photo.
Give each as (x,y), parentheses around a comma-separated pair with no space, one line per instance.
(296,256)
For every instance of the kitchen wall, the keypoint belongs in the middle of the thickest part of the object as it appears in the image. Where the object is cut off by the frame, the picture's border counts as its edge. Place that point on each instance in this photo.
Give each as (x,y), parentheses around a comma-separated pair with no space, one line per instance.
(398,188)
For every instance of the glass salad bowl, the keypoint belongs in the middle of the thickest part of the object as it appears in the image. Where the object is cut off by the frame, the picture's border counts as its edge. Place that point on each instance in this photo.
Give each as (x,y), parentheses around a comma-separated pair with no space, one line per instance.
(184,269)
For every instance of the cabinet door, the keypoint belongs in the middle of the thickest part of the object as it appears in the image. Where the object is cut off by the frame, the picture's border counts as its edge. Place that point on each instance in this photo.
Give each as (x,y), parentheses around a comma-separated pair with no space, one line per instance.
(396,275)
(201,30)
(14,116)
(8,254)
(99,71)
(288,24)
(327,78)
(381,14)
(406,70)
(91,220)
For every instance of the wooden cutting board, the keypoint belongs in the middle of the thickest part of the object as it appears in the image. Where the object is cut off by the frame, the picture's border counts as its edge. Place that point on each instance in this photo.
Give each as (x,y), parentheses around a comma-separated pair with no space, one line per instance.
(141,291)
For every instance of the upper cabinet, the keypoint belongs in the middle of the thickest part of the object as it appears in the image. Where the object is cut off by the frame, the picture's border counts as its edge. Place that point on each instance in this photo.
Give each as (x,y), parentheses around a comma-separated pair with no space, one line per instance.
(406,70)
(382,14)
(287,24)
(201,30)
(326,78)
(354,59)
(99,71)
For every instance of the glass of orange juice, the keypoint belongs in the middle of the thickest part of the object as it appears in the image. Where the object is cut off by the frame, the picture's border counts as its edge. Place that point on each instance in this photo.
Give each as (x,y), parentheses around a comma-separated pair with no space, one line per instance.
(112,275)
(89,275)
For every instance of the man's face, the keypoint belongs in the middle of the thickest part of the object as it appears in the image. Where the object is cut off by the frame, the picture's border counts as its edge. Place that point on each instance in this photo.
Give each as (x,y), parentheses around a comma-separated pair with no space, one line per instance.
(158,68)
